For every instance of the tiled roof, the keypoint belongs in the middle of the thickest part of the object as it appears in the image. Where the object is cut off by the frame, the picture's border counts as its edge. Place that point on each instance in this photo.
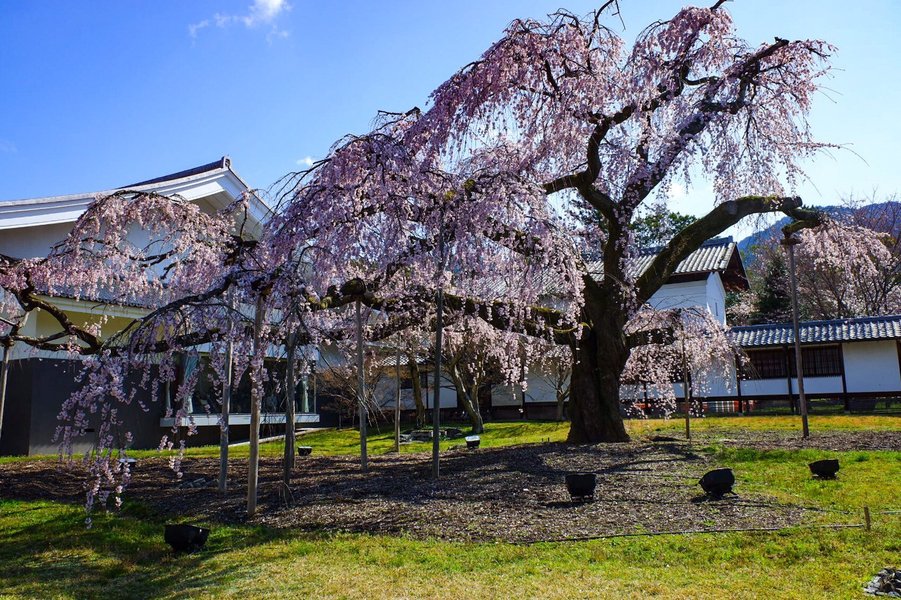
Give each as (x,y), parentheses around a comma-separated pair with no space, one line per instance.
(819,332)
(390,361)
(714,255)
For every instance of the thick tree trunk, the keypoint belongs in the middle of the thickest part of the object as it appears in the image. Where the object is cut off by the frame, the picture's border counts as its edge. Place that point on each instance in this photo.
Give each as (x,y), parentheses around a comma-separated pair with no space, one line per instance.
(478,424)
(469,401)
(600,357)
(561,407)
(417,392)
(472,411)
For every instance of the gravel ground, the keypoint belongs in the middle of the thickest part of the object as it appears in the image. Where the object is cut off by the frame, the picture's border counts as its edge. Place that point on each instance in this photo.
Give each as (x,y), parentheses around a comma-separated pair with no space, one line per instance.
(512,494)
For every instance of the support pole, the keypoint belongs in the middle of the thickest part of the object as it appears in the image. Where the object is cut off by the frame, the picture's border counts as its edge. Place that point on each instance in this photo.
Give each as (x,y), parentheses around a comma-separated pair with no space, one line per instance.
(253,467)
(4,375)
(439,327)
(397,406)
(4,365)
(290,388)
(361,390)
(686,389)
(226,409)
(790,242)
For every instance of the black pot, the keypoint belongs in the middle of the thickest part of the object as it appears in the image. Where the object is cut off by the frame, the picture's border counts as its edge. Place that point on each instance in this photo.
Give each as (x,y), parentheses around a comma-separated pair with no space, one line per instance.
(452,433)
(824,469)
(718,482)
(304,450)
(473,441)
(581,486)
(186,538)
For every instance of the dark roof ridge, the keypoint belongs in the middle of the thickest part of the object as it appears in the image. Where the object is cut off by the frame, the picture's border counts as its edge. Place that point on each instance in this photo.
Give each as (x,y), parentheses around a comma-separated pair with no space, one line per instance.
(222,163)
(865,319)
(714,241)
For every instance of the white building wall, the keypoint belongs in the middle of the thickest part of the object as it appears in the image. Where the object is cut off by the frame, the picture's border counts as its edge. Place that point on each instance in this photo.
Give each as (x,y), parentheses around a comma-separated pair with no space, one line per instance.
(716,297)
(713,383)
(507,395)
(819,385)
(764,387)
(871,366)
(386,393)
(539,389)
(32,242)
(680,295)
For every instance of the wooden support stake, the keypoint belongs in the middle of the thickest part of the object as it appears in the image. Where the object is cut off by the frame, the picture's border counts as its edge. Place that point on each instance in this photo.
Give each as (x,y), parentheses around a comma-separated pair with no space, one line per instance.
(361,391)
(397,405)
(866,517)
(253,465)
(290,413)
(226,406)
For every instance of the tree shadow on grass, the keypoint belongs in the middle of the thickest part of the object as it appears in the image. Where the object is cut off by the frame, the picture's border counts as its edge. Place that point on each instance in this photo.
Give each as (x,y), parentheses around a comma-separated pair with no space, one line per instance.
(46,551)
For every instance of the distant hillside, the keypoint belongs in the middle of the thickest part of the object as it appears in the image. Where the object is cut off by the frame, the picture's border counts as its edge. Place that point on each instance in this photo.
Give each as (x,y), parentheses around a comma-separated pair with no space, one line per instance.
(885,216)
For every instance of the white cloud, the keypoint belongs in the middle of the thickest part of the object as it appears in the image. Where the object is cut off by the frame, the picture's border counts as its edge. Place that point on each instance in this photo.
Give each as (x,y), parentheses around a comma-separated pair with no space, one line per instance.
(676,191)
(261,12)
(306,161)
(7,147)
(193,29)
(265,11)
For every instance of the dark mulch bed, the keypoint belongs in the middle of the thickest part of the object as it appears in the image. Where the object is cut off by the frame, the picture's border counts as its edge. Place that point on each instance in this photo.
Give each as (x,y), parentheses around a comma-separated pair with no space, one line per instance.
(792,440)
(512,494)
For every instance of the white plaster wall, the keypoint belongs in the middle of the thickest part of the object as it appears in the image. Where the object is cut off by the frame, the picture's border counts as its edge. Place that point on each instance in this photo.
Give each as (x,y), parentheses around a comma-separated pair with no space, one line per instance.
(713,383)
(386,391)
(631,392)
(32,242)
(871,366)
(539,389)
(819,385)
(779,387)
(680,295)
(506,395)
(764,387)
(716,297)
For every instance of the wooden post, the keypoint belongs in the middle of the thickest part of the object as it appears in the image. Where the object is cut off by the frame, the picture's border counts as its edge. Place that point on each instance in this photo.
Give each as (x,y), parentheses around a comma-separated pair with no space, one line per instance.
(4,365)
(226,409)
(866,517)
(439,327)
(361,391)
(290,384)
(4,375)
(253,466)
(397,406)
(686,390)
(790,242)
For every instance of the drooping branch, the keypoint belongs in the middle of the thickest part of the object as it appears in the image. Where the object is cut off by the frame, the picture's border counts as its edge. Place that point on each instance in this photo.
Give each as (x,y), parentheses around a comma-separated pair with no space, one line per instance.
(715,222)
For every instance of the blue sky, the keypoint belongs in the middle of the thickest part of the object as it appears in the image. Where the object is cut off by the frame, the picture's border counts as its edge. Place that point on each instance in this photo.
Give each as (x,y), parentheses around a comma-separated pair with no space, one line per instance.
(100,94)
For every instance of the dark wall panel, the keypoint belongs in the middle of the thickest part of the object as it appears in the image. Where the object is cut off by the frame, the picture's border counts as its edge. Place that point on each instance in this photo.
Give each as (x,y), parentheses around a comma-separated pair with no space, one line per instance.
(53,381)
(17,411)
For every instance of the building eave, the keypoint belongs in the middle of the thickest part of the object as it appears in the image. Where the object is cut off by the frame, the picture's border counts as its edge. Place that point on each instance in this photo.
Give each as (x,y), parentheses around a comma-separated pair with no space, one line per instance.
(192,185)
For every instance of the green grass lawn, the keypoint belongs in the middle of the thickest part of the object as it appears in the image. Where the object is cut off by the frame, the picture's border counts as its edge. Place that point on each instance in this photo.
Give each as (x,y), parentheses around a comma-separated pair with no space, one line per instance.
(504,433)
(46,552)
